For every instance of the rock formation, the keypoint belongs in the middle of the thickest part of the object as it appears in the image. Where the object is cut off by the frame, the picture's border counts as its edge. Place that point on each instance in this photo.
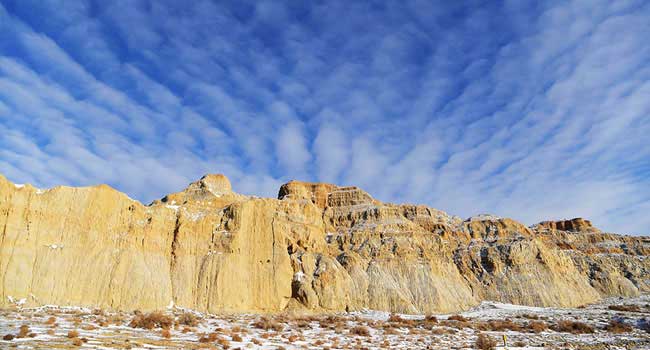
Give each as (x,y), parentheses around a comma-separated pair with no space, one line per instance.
(319,247)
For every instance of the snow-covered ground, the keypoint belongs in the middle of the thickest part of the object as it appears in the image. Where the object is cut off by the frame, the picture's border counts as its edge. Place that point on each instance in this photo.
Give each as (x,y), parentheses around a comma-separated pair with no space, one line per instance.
(67,327)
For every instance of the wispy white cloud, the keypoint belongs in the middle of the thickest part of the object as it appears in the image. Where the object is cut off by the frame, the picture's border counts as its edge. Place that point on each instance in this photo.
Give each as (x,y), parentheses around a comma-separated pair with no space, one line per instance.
(533,111)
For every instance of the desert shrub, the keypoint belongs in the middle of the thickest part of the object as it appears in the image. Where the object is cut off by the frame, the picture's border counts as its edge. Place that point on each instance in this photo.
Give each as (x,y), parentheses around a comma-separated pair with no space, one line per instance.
(236,337)
(625,308)
(115,319)
(189,319)
(89,327)
(456,324)
(618,326)
(485,342)
(391,331)
(266,324)
(8,337)
(209,338)
(360,330)
(224,343)
(530,316)
(574,327)
(51,320)
(50,332)
(501,325)
(395,318)
(430,319)
(537,326)
(459,318)
(73,334)
(520,344)
(441,331)
(166,333)
(77,342)
(23,331)
(151,320)
(256,341)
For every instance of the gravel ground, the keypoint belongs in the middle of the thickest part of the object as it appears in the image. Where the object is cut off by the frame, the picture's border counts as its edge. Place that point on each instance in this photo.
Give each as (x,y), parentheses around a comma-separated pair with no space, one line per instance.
(615,323)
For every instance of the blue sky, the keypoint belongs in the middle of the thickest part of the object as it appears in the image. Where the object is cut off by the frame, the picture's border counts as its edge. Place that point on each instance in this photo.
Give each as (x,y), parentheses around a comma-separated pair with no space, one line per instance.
(531,110)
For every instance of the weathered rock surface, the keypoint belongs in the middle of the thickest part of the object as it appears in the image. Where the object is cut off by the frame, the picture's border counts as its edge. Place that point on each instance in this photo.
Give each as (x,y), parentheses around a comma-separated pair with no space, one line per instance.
(319,247)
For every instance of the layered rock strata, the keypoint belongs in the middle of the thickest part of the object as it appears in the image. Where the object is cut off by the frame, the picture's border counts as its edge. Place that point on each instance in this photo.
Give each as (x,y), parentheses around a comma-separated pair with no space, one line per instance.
(318,247)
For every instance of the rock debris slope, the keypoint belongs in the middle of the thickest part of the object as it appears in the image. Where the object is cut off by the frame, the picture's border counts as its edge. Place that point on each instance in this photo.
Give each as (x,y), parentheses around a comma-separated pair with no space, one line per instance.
(318,247)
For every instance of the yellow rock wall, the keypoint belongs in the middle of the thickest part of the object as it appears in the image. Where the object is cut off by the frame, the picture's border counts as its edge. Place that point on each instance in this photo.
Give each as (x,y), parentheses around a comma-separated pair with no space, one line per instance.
(320,248)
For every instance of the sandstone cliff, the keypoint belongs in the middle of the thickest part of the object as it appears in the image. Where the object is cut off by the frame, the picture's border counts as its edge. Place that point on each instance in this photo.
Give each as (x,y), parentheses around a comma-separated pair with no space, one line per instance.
(318,247)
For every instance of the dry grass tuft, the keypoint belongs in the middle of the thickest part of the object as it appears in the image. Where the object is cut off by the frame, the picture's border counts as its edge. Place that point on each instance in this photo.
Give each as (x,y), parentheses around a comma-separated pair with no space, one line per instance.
(89,327)
(267,324)
(391,331)
(537,326)
(458,318)
(625,308)
(441,331)
(151,320)
(166,334)
(224,343)
(189,319)
(574,327)
(115,319)
(8,337)
(73,334)
(209,338)
(485,342)
(618,327)
(430,319)
(23,331)
(497,326)
(360,330)
(98,312)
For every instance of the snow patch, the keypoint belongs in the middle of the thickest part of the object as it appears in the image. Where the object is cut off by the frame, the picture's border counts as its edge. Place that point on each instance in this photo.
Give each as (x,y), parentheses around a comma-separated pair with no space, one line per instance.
(299,276)
(484,217)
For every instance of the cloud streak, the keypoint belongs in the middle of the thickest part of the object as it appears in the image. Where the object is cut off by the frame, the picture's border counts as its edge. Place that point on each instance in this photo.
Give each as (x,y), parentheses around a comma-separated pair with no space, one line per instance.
(532,112)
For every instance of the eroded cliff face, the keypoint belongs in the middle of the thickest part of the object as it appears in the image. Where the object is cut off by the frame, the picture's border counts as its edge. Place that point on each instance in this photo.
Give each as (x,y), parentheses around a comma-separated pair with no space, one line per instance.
(319,247)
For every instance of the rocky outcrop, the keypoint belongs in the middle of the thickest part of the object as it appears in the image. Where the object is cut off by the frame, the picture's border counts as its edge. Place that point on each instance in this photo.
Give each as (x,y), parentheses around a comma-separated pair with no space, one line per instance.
(573,225)
(319,247)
